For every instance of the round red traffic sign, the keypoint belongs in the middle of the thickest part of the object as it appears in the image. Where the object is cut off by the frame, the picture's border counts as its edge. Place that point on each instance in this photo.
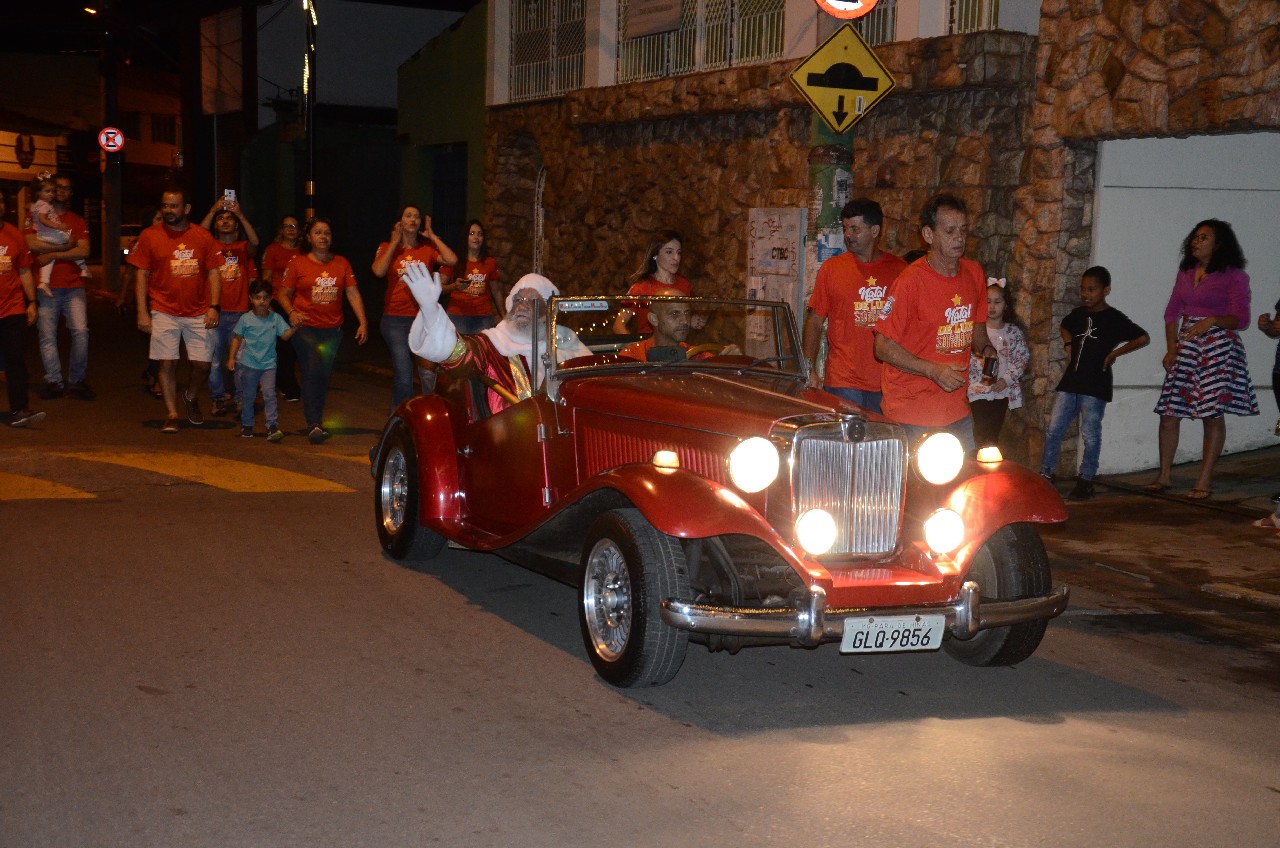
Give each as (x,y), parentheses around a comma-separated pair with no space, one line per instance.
(847,9)
(111,139)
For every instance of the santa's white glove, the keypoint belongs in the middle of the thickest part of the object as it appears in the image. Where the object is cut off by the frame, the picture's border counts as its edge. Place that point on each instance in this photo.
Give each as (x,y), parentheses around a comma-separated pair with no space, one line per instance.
(424,285)
(432,335)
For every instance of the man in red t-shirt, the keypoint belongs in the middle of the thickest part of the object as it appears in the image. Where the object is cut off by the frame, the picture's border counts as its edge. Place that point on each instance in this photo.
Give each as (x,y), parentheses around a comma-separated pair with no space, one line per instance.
(67,299)
(935,315)
(17,313)
(178,264)
(848,295)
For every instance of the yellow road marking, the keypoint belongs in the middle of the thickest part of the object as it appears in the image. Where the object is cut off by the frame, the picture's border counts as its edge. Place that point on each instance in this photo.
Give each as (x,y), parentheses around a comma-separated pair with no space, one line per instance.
(227,474)
(15,487)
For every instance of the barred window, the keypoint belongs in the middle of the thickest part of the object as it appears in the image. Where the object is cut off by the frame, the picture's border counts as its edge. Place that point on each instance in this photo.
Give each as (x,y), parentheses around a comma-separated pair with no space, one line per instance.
(879,26)
(712,34)
(972,15)
(548,39)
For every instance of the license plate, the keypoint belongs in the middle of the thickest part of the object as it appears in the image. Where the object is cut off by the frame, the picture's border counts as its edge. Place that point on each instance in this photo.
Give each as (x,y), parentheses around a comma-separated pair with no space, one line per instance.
(878,634)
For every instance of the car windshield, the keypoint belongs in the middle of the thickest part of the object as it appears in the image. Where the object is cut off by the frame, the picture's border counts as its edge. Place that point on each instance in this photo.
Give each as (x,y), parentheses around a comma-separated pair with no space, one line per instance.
(623,331)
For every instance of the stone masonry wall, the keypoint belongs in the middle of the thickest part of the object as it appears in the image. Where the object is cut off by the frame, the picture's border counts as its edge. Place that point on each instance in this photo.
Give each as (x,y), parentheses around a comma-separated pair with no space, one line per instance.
(1010,122)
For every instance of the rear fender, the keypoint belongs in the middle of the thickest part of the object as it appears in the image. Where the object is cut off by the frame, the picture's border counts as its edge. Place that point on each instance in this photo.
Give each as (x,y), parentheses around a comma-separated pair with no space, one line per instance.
(430,422)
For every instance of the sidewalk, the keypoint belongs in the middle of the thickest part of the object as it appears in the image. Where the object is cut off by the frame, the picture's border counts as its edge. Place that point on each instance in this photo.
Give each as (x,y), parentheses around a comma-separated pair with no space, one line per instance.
(1182,546)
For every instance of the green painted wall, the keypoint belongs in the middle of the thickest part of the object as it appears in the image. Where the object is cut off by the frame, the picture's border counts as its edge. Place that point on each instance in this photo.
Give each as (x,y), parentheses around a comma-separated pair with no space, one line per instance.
(441,102)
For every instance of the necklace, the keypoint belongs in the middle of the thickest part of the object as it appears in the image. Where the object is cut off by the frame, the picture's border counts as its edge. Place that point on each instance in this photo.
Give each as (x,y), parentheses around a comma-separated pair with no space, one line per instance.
(950,273)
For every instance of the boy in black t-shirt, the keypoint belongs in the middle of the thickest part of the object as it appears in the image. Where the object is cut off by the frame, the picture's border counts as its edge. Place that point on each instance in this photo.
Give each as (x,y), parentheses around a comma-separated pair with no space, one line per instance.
(1095,335)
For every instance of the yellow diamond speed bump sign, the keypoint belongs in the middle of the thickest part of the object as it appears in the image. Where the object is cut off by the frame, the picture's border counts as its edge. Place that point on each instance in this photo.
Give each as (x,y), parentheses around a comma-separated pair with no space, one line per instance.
(843,79)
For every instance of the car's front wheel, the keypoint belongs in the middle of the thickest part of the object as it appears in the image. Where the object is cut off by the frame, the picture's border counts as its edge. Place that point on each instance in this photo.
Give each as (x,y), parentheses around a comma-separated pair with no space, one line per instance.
(396,495)
(628,567)
(1011,565)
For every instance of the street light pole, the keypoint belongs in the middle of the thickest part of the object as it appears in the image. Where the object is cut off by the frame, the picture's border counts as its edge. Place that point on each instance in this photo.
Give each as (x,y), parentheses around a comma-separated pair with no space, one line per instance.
(309,104)
(109,60)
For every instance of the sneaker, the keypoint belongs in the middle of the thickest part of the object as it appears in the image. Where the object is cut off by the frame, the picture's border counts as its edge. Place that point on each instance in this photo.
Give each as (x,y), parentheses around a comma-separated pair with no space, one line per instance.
(49,391)
(170,425)
(1082,491)
(25,418)
(194,415)
(221,406)
(274,433)
(81,390)
(291,398)
(317,434)
(246,432)
(1048,475)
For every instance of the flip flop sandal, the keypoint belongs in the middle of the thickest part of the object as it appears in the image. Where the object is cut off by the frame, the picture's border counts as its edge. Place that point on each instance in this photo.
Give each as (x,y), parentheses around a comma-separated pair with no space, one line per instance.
(1156,488)
(1199,494)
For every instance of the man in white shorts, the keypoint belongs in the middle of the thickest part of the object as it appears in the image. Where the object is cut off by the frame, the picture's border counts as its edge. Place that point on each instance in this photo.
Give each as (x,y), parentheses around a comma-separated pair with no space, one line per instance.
(177,264)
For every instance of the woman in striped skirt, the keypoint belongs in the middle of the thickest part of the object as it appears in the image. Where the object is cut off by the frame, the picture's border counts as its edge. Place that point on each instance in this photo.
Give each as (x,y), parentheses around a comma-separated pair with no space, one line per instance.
(1206,372)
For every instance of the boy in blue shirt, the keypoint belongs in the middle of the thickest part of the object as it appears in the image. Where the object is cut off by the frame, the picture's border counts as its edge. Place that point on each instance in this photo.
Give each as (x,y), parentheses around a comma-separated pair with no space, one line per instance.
(1096,335)
(254,346)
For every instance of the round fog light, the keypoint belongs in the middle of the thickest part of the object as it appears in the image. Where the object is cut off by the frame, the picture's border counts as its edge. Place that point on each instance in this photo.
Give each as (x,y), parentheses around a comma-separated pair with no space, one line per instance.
(944,531)
(816,531)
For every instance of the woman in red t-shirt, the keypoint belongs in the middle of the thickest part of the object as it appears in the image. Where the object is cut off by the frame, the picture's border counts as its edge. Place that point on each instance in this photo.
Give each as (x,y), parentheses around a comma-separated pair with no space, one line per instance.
(275,259)
(311,296)
(658,270)
(238,242)
(474,296)
(412,240)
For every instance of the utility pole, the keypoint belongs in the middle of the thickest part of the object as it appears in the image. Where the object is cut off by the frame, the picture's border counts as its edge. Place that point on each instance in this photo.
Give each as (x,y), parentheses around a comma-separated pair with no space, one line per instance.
(112,182)
(309,104)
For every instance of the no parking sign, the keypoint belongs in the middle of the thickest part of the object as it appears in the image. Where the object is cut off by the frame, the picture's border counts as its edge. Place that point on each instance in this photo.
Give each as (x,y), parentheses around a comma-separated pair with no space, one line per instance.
(111,140)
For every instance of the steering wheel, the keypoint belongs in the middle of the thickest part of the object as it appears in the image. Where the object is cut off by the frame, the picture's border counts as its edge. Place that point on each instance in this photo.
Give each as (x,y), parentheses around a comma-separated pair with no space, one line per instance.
(698,350)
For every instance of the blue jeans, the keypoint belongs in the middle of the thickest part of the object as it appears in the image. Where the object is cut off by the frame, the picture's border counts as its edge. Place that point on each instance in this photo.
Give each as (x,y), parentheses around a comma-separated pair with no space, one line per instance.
(317,348)
(962,430)
(1065,407)
(395,332)
(249,379)
(221,338)
(864,399)
(469,325)
(71,303)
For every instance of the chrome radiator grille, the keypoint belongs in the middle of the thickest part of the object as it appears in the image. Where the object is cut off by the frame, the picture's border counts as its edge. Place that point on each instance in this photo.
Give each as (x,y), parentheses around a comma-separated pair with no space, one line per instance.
(860,483)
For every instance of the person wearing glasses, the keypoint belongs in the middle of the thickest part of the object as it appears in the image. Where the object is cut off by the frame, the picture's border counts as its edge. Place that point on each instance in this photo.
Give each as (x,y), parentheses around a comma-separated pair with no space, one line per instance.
(500,356)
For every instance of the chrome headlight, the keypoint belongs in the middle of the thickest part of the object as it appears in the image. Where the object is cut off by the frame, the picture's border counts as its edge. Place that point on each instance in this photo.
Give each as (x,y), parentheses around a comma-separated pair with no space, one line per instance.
(940,458)
(944,531)
(753,464)
(816,531)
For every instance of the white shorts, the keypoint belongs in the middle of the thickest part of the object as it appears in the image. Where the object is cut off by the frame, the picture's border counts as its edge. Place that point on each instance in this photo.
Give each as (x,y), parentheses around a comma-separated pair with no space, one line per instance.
(168,330)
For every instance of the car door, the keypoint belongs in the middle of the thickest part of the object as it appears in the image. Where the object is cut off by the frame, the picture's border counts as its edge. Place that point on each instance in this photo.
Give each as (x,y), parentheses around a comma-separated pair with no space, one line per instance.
(503,467)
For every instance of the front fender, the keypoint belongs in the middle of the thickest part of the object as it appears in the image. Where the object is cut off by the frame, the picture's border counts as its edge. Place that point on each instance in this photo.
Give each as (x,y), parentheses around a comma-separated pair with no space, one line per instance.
(686,505)
(993,497)
(430,423)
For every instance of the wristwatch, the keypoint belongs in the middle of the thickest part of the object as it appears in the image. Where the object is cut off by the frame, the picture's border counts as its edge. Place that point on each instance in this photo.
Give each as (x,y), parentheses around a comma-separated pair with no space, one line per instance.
(216,307)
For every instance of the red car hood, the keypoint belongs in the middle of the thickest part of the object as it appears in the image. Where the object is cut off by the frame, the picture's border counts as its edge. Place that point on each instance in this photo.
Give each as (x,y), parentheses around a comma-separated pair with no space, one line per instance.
(729,404)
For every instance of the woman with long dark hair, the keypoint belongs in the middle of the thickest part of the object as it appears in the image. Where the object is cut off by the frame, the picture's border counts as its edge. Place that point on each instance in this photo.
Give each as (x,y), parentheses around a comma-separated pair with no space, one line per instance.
(1206,374)
(474,296)
(412,240)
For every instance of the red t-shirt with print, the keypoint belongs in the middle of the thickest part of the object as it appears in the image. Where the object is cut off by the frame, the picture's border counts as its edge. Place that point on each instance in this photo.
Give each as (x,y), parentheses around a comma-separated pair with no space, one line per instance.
(178,263)
(932,317)
(14,257)
(474,298)
(237,271)
(399,300)
(850,295)
(318,288)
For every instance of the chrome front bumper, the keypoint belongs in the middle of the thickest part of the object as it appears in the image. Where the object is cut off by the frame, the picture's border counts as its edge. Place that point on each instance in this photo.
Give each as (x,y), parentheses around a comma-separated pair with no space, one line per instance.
(814,623)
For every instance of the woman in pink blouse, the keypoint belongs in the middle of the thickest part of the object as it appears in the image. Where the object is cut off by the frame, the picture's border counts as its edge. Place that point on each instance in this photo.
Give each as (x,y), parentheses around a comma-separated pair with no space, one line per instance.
(1206,372)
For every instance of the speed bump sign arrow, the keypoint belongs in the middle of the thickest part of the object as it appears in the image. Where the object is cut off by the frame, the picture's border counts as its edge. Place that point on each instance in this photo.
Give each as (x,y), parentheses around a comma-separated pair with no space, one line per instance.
(843,79)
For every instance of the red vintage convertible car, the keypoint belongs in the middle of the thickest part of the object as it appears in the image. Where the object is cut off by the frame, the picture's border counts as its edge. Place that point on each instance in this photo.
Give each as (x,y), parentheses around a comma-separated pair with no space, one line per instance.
(701,491)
